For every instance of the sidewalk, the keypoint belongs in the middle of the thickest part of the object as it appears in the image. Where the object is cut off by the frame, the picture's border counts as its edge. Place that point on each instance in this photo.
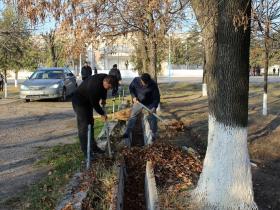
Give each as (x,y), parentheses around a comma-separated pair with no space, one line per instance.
(5,101)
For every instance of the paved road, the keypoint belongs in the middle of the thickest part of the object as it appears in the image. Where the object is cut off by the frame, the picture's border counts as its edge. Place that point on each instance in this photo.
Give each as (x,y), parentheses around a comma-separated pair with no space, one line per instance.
(256,80)
(24,128)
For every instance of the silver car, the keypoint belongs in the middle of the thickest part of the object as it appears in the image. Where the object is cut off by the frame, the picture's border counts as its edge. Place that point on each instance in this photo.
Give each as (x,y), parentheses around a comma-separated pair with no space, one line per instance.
(49,83)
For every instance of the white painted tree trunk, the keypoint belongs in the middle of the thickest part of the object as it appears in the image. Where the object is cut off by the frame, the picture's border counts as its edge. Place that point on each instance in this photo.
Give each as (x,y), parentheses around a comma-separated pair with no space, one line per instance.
(226,180)
(204,89)
(16,79)
(5,90)
(264,104)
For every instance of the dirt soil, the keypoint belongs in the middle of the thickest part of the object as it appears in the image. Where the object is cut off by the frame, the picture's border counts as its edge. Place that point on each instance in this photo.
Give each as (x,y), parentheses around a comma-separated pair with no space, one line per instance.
(25,128)
(134,186)
(185,103)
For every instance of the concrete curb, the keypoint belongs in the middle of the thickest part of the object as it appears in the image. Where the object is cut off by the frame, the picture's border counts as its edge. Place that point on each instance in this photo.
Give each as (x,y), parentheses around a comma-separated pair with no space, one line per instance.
(152,201)
(147,132)
(118,191)
(76,199)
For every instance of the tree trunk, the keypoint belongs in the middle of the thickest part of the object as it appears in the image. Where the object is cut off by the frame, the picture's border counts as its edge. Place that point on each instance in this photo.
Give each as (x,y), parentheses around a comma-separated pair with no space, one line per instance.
(5,76)
(153,58)
(204,83)
(266,60)
(153,46)
(53,55)
(16,78)
(144,52)
(226,180)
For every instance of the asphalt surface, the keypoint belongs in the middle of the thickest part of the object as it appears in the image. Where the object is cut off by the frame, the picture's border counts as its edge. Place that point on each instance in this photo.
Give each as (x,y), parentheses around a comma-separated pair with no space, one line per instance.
(25,128)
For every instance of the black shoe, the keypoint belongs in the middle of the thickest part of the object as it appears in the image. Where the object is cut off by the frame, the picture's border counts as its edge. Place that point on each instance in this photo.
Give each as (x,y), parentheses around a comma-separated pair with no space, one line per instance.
(97,150)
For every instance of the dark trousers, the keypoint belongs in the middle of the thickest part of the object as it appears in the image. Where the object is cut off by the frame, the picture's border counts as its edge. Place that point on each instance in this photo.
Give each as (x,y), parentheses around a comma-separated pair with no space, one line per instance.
(1,85)
(136,110)
(84,115)
(115,90)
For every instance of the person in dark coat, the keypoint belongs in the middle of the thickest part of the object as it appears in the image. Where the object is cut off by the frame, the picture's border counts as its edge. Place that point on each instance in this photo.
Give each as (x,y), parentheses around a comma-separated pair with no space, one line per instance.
(1,82)
(144,90)
(95,70)
(117,74)
(87,97)
(86,71)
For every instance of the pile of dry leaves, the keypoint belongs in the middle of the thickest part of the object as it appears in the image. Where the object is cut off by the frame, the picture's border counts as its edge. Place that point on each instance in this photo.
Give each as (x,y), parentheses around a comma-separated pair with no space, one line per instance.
(174,170)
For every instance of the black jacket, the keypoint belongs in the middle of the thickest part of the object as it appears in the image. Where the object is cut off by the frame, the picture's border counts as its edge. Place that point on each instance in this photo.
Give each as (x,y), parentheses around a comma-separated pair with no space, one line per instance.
(86,72)
(149,96)
(90,92)
(116,72)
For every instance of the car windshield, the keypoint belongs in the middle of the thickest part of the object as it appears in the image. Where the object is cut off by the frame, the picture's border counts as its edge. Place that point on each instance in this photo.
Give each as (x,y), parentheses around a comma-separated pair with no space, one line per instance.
(48,74)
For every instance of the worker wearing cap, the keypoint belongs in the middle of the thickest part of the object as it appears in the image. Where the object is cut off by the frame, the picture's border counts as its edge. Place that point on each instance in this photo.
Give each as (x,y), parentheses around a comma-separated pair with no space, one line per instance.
(145,90)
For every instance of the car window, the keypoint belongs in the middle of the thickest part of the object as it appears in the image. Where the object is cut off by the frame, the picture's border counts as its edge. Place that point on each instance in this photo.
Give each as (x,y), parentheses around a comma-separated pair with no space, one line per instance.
(48,74)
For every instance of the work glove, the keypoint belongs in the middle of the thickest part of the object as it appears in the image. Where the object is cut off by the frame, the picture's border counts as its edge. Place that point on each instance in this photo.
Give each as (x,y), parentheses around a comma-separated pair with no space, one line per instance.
(135,100)
(104,117)
(153,110)
(103,102)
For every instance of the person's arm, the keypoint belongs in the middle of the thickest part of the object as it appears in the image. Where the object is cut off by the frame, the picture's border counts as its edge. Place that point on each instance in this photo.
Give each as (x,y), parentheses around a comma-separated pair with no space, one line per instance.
(156,97)
(94,100)
(132,89)
(83,72)
(90,71)
(119,75)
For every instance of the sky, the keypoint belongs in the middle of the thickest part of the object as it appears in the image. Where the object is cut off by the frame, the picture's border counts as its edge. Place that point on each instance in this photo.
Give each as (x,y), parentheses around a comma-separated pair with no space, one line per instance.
(50,23)
(40,28)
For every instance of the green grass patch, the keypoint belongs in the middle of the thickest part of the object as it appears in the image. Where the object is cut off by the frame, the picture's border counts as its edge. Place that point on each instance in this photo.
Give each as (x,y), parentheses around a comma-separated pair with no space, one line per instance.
(63,161)
(100,193)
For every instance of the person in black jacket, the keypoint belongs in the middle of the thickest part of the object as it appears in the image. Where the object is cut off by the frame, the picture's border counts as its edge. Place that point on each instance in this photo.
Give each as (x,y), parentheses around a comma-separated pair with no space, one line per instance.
(88,95)
(86,71)
(95,70)
(144,90)
(117,74)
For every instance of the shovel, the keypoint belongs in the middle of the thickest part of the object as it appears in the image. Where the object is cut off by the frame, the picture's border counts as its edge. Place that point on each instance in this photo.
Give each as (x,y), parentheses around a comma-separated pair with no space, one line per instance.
(158,117)
(107,134)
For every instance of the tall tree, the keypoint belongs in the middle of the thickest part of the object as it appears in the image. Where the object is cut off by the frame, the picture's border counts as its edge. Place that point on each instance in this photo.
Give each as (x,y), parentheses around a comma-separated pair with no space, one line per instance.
(109,18)
(266,16)
(226,182)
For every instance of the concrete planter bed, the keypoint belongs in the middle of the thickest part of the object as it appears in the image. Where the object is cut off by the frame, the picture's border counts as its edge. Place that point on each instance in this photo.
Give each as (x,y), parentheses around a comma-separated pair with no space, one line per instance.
(132,180)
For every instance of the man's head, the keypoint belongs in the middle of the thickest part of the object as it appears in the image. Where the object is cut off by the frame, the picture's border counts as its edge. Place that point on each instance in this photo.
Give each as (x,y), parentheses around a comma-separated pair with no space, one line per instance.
(86,63)
(145,79)
(115,66)
(109,82)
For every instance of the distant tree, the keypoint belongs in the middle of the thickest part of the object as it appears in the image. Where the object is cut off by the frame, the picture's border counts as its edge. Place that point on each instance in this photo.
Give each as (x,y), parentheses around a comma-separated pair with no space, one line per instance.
(95,20)
(195,46)
(14,38)
(55,48)
(266,16)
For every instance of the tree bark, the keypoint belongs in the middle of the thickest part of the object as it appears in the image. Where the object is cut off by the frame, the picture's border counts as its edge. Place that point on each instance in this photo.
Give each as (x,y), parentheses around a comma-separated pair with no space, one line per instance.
(144,52)
(153,58)
(266,63)
(16,78)
(226,181)
(204,83)
(153,46)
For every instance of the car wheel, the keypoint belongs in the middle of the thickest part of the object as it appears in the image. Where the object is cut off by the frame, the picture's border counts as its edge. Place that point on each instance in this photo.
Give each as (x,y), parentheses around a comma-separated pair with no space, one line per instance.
(27,100)
(63,96)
